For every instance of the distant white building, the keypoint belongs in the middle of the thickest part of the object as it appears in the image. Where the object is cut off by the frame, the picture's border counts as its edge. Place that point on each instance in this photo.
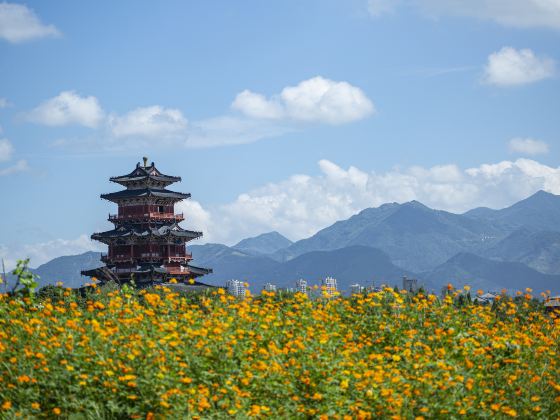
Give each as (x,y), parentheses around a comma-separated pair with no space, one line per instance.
(410,285)
(329,286)
(301,286)
(236,288)
(269,287)
(356,289)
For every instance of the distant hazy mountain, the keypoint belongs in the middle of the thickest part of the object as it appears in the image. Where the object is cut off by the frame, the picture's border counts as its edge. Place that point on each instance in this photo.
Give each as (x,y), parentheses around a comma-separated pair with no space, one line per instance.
(481,273)
(66,269)
(414,236)
(229,263)
(539,250)
(385,243)
(541,211)
(267,243)
(354,264)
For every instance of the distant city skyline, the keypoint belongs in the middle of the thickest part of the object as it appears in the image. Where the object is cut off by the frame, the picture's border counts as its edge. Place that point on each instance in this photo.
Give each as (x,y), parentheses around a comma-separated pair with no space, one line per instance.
(282,116)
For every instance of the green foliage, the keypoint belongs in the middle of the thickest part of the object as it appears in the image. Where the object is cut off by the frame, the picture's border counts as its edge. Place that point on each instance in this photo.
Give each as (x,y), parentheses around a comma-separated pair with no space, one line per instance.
(26,279)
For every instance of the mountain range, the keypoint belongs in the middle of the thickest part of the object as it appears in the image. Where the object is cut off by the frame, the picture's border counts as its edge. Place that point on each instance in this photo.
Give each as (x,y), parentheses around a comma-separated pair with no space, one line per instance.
(512,248)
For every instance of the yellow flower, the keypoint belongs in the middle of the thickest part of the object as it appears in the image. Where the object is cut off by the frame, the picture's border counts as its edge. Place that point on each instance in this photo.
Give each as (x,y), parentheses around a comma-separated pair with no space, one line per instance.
(56,411)
(6,405)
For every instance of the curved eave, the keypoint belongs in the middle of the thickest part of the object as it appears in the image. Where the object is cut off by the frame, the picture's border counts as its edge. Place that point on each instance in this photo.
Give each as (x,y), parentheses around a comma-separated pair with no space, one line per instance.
(199,271)
(114,234)
(144,193)
(126,179)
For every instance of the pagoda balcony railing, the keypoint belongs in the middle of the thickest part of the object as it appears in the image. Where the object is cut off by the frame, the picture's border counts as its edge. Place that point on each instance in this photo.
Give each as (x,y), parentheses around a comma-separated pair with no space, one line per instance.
(147,256)
(116,258)
(179,258)
(150,215)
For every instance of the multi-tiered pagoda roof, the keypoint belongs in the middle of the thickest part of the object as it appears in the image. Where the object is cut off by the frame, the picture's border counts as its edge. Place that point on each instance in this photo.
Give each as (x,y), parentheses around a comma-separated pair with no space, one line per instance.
(147,244)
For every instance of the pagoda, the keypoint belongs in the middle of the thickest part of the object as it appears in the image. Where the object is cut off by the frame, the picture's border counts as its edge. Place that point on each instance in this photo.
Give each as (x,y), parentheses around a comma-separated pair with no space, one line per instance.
(147,245)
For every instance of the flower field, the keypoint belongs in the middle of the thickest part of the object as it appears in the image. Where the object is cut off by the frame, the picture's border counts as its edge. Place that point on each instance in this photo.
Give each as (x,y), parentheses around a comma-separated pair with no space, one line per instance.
(122,353)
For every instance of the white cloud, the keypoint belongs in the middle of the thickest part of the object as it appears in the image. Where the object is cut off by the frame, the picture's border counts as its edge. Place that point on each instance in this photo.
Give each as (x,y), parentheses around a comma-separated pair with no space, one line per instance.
(528,146)
(516,13)
(377,8)
(151,121)
(6,150)
(301,205)
(18,23)
(313,100)
(19,166)
(509,67)
(68,108)
(197,218)
(40,253)
(256,105)
(316,100)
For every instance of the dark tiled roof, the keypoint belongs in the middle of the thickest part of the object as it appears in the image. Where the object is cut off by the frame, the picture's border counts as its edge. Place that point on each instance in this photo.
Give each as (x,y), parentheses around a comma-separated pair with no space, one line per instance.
(132,230)
(199,270)
(145,172)
(144,192)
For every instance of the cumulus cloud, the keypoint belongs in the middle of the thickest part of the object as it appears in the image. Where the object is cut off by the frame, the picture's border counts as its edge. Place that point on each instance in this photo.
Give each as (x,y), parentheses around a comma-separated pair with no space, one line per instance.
(197,218)
(18,23)
(316,100)
(301,205)
(528,146)
(151,121)
(257,106)
(313,100)
(510,67)
(6,150)
(68,108)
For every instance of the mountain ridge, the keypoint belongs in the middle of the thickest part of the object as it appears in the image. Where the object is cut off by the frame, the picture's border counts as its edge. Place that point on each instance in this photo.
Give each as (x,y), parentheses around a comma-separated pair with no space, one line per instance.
(411,236)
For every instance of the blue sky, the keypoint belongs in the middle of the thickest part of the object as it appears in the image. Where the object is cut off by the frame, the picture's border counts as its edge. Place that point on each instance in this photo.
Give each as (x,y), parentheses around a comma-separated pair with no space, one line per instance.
(280,115)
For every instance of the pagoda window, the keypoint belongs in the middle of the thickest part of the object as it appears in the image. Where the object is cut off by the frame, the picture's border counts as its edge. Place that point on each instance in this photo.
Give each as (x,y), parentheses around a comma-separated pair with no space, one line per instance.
(161,209)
